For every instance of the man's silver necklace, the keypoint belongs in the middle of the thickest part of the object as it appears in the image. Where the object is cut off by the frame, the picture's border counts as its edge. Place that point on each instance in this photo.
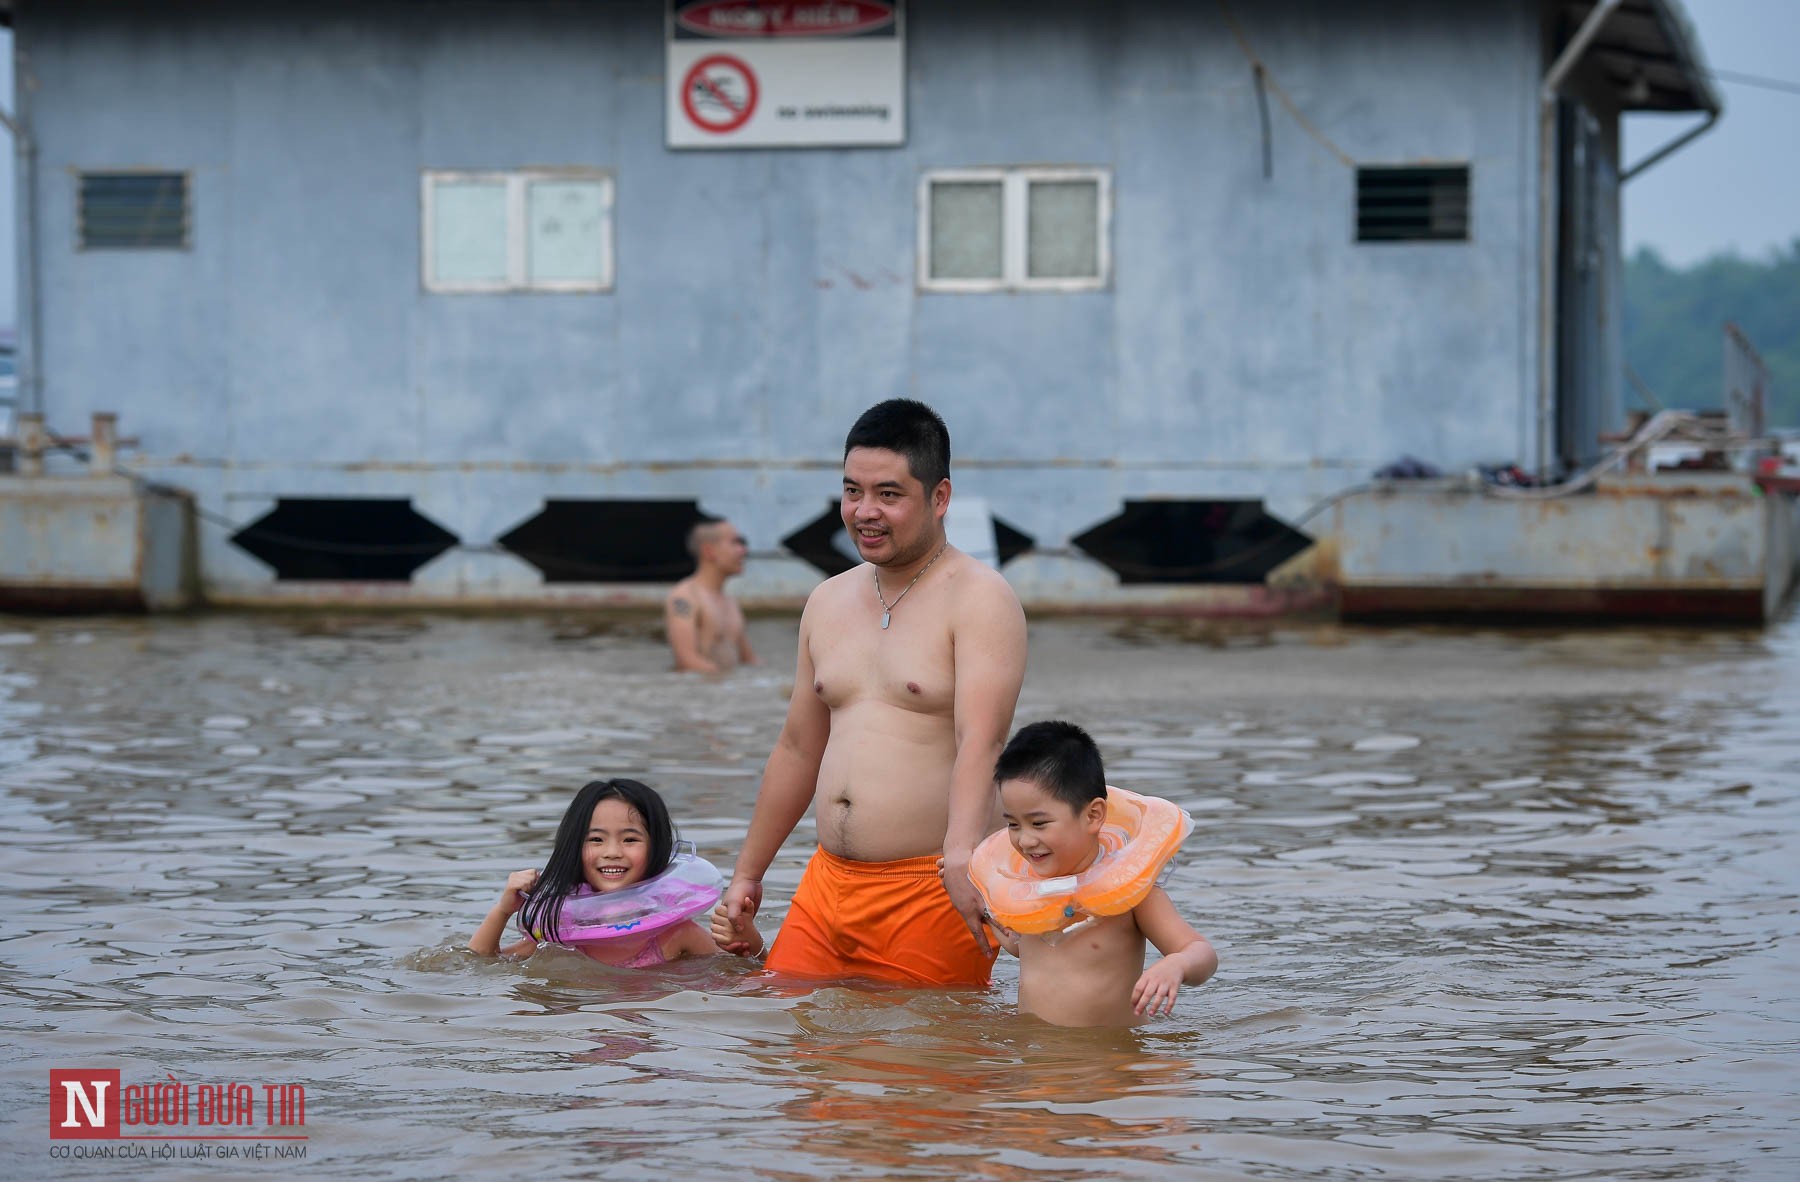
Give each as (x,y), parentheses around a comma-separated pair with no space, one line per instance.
(887,609)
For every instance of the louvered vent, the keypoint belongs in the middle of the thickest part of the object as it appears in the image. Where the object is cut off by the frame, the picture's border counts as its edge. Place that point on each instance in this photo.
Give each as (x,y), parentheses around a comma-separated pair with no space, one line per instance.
(134,211)
(1412,204)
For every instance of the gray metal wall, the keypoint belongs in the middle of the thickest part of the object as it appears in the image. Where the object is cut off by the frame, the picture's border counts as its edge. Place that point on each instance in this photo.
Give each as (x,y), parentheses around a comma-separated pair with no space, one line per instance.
(1247,346)
(1597,404)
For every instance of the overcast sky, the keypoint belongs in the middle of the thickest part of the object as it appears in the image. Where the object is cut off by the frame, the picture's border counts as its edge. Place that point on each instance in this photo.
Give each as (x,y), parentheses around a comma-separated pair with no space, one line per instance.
(1737,188)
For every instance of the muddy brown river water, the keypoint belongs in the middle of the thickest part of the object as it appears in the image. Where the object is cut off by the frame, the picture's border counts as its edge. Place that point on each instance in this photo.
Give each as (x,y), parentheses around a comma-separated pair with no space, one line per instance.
(1489,905)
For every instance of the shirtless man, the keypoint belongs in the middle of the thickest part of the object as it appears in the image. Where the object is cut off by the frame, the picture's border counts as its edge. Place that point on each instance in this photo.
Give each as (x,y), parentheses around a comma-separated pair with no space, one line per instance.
(908,672)
(705,625)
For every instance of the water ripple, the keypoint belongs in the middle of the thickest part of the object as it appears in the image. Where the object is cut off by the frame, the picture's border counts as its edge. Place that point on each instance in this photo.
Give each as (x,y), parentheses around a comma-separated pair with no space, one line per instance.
(1489,905)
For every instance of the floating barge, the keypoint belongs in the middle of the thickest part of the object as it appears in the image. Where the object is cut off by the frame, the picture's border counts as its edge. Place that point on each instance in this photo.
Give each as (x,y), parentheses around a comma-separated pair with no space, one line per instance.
(488,356)
(1693,546)
(94,544)
(93,541)
(1701,547)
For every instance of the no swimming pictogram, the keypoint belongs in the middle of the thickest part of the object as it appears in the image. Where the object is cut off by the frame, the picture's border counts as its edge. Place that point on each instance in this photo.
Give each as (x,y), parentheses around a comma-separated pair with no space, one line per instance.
(719,93)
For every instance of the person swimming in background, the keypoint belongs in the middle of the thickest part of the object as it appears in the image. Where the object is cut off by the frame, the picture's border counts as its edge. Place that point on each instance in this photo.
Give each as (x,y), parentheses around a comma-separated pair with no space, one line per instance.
(704,623)
(614,835)
(1053,797)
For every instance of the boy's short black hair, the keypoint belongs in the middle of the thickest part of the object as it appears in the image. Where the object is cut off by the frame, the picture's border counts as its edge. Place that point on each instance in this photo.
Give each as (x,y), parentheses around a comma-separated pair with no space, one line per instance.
(910,428)
(1058,757)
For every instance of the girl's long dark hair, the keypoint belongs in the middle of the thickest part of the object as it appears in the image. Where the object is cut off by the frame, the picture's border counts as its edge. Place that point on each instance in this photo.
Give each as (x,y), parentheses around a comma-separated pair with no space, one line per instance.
(562,875)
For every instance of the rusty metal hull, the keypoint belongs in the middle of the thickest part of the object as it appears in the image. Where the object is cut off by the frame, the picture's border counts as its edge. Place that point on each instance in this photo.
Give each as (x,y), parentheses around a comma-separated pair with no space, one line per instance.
(94,544)
(1699,548)
(1503,604)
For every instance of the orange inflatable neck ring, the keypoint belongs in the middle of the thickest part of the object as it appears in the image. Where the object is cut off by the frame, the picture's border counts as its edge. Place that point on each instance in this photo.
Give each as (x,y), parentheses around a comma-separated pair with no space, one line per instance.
(1138,837)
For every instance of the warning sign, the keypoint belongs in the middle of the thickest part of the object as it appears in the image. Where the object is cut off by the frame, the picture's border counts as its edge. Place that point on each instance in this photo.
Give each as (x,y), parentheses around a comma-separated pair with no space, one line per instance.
(718,93)
(758,74)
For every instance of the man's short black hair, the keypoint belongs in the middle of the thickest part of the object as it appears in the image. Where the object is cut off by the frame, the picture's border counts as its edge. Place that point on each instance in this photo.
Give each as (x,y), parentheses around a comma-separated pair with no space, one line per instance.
(910,428)
(1058,757)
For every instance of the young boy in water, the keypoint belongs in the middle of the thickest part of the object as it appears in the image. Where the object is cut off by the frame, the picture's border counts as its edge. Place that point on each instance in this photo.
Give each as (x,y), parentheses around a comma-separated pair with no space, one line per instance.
(1053,796)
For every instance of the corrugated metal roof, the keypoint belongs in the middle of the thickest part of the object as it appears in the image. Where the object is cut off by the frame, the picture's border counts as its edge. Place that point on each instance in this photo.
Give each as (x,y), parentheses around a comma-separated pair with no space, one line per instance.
(1651,56)
(1648,49)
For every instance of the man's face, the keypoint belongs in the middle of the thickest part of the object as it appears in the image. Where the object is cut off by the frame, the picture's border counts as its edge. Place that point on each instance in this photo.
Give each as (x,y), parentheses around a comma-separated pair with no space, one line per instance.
(890,515)
(726,548)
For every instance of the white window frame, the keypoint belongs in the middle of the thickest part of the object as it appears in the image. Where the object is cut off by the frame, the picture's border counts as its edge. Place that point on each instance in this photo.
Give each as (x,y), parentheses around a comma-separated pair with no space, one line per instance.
(518,182)
(1014,232)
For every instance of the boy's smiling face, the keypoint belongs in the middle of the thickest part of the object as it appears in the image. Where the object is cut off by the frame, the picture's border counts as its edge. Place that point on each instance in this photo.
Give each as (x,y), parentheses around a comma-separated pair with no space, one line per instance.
(1054,837)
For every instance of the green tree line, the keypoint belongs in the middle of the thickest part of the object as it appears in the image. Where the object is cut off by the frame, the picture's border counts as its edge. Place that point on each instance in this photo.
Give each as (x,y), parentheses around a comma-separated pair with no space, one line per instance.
(1675,327)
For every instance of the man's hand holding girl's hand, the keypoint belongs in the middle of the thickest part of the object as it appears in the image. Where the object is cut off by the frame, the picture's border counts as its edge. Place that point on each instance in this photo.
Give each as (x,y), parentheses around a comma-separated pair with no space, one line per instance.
(737,934)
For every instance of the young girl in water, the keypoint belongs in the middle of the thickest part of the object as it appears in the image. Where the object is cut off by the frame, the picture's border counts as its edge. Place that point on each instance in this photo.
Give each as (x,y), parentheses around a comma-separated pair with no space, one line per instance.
(615,834)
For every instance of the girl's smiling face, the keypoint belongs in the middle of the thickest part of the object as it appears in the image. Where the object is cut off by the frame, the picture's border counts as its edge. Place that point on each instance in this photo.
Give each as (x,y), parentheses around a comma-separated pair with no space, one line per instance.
(617,847)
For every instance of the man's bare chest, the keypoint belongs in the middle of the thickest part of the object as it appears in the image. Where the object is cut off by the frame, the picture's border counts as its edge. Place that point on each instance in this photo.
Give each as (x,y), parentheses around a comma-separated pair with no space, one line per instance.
(912,669)
(719,613)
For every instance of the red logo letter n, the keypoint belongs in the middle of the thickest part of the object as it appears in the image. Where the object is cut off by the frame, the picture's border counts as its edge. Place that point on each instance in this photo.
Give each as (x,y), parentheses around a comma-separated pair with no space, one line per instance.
(84,1104)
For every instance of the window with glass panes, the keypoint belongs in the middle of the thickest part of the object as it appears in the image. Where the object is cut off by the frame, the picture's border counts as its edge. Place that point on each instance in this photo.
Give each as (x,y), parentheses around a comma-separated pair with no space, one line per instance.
(1000,229)
(530,230)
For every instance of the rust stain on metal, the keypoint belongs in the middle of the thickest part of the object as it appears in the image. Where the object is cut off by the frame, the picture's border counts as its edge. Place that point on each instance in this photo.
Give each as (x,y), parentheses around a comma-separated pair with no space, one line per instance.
(1660,488)
(1313,568)
(55,600)
(1694,605)
(1779,484)
(1219,601)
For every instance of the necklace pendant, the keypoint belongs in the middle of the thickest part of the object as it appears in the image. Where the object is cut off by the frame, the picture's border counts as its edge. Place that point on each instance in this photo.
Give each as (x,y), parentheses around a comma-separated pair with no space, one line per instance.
(884,620)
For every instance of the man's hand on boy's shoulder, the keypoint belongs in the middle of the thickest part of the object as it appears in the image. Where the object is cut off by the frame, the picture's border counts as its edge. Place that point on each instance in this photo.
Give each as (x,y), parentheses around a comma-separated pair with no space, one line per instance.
(1003,936)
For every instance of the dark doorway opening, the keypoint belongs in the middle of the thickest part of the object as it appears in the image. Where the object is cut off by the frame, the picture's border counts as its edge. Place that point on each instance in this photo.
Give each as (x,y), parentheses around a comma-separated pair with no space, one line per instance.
(347,539)
(1192,542)
(608,540)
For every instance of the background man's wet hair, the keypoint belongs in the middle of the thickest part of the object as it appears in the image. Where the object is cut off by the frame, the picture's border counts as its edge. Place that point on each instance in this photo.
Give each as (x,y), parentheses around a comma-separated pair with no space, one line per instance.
(700,533)
(1058,757)
(910,428)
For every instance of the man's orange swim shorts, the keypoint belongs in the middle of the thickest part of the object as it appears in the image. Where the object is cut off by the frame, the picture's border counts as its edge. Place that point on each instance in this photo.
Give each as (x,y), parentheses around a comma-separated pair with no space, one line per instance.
(889,921)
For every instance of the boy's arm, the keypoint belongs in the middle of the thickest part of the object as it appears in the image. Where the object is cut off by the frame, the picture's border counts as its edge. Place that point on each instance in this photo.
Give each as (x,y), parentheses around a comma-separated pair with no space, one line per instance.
(1188,957)
(681,620)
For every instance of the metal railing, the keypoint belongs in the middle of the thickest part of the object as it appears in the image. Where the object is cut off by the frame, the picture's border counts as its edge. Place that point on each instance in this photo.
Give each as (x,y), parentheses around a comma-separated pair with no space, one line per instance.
(32,441)
(1746,391)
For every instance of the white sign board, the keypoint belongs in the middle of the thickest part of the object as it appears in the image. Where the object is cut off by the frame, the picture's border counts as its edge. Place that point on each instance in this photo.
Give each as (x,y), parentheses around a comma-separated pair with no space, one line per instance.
(812,74)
